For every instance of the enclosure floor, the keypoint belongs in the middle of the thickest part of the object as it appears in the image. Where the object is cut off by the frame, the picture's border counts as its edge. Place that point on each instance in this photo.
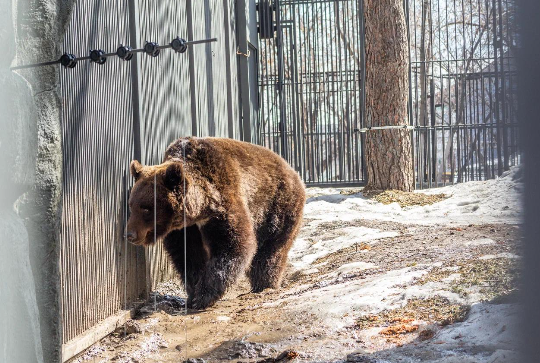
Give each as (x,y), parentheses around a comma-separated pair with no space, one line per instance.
(359,290)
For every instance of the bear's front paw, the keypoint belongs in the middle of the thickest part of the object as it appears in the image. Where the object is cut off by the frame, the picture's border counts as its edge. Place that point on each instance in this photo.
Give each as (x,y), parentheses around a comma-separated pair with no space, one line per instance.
(202,301)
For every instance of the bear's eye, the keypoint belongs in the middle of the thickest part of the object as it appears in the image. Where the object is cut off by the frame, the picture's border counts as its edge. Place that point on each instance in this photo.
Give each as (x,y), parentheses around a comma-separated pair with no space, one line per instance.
(146,210)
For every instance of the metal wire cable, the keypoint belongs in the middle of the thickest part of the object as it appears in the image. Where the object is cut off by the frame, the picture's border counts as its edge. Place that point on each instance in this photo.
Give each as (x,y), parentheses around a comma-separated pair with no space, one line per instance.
(69,60)
(185,247)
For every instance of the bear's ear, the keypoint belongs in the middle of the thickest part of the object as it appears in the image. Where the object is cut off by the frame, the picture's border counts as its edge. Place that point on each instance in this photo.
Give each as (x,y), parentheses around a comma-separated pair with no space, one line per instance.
(173,177)
(136,169)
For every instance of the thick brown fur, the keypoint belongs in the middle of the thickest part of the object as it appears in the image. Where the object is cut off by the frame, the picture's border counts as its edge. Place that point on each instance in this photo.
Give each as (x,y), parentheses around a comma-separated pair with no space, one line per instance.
(243,209)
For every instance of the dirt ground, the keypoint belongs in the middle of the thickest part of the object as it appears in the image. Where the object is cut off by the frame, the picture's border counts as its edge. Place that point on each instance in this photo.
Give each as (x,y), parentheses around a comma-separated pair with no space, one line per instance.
(247,327)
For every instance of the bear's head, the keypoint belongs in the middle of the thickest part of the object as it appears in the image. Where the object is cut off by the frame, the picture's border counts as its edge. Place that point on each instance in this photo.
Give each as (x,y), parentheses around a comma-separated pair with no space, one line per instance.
(156,201)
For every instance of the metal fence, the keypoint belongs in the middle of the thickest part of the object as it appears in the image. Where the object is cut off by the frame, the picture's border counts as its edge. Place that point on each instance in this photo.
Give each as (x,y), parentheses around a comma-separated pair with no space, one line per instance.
(119,111)
(462,86)
(310,87)
(463,89)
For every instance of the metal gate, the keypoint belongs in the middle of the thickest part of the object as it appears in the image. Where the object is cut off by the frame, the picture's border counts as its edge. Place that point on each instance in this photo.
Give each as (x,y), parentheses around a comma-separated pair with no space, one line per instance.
(310,87)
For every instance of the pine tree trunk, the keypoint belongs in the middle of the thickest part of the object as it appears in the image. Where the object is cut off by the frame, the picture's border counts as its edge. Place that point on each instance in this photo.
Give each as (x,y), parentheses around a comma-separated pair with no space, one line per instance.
(388,152)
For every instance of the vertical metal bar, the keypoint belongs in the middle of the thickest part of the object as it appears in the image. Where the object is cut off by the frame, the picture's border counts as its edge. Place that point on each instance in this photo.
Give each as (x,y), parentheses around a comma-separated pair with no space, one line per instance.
(143,260)
(503,88)
(209,70)
(193,92)
(135,79)
(243,64)
(500,166)
(433,176)
(281,81)
(228,68)
(363,86)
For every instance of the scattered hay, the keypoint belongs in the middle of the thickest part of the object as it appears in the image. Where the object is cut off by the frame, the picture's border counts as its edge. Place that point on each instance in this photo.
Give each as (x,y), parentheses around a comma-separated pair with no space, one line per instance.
(399,329)
(364,246)
(404,199)
(350,191)
(435,275)
(496,277)
(437,310)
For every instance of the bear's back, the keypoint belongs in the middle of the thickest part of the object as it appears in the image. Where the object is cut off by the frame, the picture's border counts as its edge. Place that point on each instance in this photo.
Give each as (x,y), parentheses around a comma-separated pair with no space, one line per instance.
(234,167)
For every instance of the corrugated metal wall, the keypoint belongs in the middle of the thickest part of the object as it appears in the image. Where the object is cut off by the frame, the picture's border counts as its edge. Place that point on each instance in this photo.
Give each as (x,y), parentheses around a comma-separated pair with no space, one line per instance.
(97,148)
(171,106)
(194,93)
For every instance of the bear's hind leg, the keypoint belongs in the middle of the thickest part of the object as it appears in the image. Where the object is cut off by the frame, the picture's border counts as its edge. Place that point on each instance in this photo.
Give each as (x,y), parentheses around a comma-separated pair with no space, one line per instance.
(269,263)
(197,256)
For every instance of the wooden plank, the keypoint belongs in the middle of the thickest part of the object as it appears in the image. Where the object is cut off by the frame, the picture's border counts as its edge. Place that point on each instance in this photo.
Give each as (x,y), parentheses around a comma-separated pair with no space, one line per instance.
(83,341)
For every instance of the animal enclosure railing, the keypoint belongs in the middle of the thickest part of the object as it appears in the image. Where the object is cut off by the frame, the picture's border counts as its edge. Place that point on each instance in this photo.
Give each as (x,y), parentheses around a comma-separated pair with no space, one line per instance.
(310,84)
(462,88)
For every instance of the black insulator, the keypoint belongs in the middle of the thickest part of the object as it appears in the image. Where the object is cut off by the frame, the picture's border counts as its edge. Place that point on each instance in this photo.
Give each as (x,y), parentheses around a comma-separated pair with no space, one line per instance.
(151,48)
(68,60)
(98,56)
(179,45)
(124,52)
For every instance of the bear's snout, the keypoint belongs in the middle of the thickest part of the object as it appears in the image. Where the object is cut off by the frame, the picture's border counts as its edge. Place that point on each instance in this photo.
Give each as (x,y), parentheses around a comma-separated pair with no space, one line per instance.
(131,236)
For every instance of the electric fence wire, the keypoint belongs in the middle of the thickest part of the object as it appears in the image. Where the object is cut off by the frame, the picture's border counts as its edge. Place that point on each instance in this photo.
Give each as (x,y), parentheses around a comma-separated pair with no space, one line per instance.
(185,245)
(155,229)
(126,212)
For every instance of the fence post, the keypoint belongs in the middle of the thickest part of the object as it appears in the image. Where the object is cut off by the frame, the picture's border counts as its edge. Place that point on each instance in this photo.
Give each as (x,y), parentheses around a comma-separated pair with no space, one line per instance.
(143,259)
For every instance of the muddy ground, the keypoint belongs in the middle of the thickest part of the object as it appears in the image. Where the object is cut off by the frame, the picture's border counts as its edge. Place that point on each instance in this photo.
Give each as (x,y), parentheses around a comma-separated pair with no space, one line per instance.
(369,280)
(453,268)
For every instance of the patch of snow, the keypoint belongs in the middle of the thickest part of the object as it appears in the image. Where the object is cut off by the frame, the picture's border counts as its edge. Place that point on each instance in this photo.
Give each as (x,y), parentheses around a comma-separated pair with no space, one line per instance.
(480,242)
(355,266)
(492,201)
(310,271)
(432,289)
(488,325)
(488,335)
(223,319)
(332,303)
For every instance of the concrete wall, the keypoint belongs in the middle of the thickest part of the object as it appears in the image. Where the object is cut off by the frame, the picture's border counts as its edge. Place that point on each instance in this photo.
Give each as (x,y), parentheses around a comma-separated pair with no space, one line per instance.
(20,339)
(31,150)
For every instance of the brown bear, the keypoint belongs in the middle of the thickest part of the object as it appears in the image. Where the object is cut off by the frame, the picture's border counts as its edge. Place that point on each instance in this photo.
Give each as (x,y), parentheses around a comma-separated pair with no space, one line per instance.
(243,209)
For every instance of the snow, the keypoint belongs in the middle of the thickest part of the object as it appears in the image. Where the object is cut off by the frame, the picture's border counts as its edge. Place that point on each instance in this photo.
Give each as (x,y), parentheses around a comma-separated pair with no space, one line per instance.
(355,266)
(480,242)
(492,201)
(488,325)
(488,335)
(368,296)
(500,255)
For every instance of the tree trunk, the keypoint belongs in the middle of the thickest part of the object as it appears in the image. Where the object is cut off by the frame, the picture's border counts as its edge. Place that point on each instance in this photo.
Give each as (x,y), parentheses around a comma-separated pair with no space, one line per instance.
(388,152)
